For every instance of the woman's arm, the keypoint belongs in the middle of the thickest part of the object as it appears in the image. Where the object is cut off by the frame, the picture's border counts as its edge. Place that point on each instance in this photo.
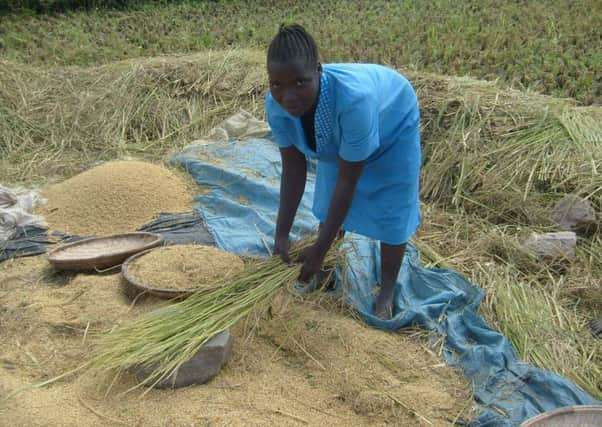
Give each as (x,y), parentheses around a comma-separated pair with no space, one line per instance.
(348,176)
(292,186)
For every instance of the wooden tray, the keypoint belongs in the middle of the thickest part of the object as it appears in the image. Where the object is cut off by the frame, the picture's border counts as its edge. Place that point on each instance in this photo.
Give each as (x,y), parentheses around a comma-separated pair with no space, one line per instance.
(135,287)
(580,415)
(99,253)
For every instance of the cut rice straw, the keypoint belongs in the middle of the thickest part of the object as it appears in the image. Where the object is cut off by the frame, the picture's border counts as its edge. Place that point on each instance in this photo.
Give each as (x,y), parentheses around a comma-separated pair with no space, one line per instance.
(543,328)
(163,340)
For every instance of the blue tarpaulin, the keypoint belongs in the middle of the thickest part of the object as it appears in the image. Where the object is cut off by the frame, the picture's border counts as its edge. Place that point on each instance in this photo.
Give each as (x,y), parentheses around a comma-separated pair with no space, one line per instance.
(240,210)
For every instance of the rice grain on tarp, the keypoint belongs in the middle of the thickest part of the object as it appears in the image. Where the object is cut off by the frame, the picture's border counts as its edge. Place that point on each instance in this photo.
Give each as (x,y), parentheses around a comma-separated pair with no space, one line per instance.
(184,266)
(305,358)
(114,197)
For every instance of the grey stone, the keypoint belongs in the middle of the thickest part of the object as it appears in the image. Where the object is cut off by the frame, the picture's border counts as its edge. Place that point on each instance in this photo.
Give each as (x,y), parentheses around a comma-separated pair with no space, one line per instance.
(202,367)
(573,213)
(553,246)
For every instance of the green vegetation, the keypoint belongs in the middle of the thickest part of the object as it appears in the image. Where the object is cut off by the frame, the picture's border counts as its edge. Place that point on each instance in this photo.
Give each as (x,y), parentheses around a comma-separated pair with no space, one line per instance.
(57,6)
(548,46)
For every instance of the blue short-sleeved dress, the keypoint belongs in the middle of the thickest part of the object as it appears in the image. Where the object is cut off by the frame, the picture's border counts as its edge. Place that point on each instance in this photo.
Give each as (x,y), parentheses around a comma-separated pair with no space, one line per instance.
(365,112)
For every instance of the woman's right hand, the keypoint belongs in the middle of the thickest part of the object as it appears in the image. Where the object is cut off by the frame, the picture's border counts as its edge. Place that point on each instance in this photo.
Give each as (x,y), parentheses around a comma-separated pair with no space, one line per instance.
(281,247)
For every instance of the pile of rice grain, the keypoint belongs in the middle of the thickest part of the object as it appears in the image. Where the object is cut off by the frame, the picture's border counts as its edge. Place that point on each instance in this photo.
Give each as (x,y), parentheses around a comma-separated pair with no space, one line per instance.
(184,266)
(115,197)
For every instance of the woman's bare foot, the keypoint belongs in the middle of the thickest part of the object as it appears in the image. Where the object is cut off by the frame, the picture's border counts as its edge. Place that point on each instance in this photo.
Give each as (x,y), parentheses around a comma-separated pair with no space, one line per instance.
(384,304)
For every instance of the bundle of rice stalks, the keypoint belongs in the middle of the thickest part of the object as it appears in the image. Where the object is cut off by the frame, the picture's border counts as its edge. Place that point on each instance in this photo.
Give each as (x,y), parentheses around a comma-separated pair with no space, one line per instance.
(544,152)
(558,153)
(165,339)
(59,120)
(586,283)
(521,146)
(544,328)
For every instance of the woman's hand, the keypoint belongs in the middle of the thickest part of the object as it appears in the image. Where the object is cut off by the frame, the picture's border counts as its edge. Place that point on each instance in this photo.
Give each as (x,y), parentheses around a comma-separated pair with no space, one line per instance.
(312,259)
(281,247)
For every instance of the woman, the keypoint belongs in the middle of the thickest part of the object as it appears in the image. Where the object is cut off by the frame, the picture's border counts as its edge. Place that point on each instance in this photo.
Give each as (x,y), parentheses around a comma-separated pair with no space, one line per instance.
(362,124)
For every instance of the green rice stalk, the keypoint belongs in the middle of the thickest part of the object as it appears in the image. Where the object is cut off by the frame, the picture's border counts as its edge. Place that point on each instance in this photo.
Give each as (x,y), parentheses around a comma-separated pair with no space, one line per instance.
(165,339)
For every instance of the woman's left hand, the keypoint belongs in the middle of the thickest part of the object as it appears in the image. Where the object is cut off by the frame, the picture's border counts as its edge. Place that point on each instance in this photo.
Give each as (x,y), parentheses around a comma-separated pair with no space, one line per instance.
(312,258)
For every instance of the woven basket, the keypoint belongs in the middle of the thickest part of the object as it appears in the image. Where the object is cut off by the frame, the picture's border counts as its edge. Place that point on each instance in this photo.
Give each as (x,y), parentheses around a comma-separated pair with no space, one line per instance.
(135,287)
(100,253)
(582,416)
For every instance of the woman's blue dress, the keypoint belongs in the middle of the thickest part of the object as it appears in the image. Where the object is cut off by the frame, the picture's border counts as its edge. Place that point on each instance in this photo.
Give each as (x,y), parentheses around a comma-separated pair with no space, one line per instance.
(365,112)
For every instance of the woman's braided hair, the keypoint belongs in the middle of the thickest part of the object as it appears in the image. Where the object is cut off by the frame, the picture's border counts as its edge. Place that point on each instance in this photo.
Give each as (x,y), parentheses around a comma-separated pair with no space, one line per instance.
(293,43)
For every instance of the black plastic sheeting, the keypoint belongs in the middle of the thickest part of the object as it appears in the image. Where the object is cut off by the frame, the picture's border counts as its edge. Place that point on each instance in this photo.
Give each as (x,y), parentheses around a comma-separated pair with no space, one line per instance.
(31,240)
(180,229)
(176,229)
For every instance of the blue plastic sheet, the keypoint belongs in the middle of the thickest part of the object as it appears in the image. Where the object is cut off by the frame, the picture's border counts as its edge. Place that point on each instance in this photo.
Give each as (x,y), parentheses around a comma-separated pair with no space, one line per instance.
(240,210)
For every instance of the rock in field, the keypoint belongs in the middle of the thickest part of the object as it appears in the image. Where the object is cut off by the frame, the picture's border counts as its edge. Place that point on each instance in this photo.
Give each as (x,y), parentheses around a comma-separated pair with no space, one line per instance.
(553,246)
(572,213)
(202,367)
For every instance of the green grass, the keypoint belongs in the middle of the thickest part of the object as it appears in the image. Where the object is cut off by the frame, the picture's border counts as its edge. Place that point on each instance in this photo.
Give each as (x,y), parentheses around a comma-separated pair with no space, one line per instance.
(549,46)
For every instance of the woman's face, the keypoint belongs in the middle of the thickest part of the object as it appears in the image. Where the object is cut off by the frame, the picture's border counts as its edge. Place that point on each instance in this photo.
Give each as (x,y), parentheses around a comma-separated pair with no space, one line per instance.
(294,86)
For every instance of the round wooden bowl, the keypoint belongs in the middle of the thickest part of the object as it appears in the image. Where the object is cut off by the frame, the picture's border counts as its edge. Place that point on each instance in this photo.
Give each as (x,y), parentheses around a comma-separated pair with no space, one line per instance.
(583,416)
(99,253)
(135,286)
